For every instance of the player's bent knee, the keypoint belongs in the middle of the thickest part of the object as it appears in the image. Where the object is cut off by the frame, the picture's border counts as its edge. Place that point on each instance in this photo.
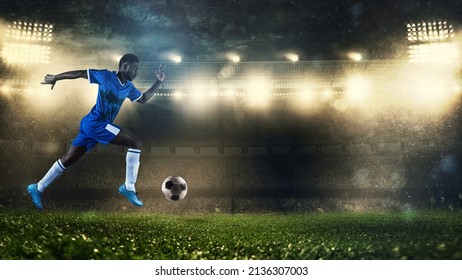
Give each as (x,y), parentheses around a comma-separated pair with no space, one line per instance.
(72,155)
(136,144)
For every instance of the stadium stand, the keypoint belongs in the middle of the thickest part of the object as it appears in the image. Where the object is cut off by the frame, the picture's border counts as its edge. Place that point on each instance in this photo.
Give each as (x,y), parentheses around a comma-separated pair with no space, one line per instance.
(237,158)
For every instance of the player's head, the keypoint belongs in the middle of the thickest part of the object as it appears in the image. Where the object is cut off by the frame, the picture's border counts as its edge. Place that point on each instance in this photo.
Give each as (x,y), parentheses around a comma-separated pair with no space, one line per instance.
(128,65)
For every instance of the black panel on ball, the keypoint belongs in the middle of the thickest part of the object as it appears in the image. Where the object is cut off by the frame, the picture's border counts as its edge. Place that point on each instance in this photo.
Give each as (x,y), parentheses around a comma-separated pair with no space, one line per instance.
(168,185)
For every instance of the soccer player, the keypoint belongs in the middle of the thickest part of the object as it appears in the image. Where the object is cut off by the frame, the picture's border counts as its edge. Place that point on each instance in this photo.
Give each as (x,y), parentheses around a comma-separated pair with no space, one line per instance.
(97,126)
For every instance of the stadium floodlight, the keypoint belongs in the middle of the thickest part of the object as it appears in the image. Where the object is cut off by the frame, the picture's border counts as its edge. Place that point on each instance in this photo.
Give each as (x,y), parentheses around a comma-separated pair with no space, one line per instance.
(431,31)
(292,57)
(355,56)
(28,31)
(233,57)
(431,41)
(28,42)
(176,58)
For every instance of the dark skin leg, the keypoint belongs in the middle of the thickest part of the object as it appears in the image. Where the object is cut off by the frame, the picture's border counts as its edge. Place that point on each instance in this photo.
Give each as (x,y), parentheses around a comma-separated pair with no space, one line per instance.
(127,139)
(124,138)
(73,155)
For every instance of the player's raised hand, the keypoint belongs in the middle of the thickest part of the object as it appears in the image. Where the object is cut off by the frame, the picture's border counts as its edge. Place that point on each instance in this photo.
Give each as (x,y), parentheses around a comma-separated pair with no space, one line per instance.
(49,80)
(160,73)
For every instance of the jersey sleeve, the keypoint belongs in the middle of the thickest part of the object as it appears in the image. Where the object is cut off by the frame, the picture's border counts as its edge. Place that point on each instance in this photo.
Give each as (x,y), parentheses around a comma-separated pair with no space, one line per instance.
(134,94)
(97,76)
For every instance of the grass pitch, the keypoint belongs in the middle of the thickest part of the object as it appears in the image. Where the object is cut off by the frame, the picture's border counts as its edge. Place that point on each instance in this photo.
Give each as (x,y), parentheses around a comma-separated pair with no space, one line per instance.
(90,235)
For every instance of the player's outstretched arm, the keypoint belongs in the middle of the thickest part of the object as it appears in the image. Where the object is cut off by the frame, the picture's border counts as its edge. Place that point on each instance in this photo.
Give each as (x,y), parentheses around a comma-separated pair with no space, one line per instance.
(160,76)
(52,79)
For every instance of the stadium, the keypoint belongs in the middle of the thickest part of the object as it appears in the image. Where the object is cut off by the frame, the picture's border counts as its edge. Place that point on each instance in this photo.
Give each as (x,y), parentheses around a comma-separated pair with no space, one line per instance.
(284,159)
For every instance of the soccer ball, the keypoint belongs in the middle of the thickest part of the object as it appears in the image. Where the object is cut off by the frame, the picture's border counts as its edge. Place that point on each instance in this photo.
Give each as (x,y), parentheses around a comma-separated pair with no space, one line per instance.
(174,188)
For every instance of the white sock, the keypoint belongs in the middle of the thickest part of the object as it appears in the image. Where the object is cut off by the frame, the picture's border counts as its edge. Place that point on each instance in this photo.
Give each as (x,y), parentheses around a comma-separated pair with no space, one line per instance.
(133,163)
(51,175)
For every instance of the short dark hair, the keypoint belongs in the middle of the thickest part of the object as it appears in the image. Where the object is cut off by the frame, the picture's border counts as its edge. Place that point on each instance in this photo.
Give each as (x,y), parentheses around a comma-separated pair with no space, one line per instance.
(129,57)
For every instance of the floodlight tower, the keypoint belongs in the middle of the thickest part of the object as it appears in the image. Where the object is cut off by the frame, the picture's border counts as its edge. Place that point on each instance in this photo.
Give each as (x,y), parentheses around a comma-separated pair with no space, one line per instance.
(28,42)
(431,41)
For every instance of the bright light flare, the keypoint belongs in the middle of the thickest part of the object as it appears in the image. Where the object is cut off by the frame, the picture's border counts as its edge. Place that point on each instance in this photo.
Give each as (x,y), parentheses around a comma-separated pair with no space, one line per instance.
(233,57)
(292,57)
(308,98)
(199,95)
(116,57)
(178,95)
(456,88)
(306,92)
(358,89)
(259,92)
(229,94)
(445,52)
(355,56)
(431,93)
(327,94)
(5,89)
(432,89)
(15,52)
(175,58)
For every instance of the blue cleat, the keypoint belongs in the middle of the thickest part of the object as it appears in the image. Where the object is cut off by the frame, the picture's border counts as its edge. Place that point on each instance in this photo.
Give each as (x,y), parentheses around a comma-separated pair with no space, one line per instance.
(36,195)
(130,195)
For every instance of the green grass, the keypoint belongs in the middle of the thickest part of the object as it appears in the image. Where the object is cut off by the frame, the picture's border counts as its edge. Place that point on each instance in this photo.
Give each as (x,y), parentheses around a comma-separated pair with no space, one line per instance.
(90,235)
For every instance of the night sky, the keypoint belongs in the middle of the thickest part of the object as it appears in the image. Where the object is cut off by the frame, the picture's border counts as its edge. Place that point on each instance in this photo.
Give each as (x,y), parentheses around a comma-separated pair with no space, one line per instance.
(259,30)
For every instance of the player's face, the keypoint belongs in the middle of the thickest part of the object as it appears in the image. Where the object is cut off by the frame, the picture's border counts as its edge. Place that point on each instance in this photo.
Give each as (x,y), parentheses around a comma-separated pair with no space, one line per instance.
(130,70)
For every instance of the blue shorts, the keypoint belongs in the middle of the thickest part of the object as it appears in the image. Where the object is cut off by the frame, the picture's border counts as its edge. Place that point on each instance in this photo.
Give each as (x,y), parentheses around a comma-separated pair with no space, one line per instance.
(93,132)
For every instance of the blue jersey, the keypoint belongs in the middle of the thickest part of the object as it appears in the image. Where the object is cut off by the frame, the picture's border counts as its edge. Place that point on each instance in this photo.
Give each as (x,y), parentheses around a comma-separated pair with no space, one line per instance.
(111,94)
